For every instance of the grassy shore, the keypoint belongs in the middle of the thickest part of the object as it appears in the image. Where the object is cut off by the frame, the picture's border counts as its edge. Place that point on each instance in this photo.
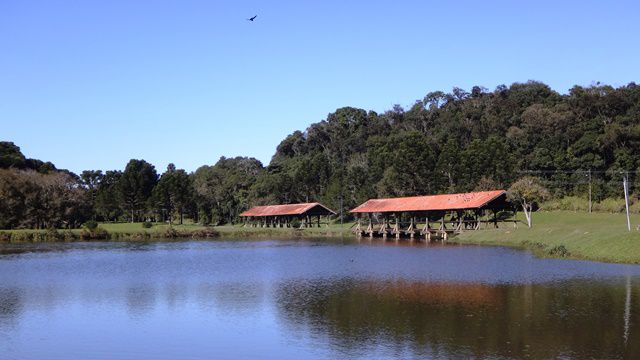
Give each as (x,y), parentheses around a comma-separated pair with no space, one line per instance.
(560,234)
(111,231)
(135,231)
(577,235)
(567,234)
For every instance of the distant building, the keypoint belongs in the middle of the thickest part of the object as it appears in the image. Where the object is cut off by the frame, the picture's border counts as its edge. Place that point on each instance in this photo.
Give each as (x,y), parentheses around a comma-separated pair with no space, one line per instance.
(450,213)
(307,214)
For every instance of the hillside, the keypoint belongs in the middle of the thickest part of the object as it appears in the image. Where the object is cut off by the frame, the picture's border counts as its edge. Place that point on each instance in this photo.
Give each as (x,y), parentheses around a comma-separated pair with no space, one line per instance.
(445,142)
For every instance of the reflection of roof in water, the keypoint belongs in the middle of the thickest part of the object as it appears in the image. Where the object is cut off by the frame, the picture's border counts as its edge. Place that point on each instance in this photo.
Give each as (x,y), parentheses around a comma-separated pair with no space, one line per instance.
(472,200)
(435,293)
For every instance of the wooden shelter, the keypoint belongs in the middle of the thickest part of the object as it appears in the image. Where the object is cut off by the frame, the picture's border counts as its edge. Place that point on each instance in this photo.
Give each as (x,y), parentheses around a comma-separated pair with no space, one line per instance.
(430,216)
(286,215)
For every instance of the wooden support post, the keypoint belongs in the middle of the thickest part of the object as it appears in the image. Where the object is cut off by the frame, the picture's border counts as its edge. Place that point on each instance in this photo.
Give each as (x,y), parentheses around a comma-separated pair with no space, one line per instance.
(383,228)
(397,227)
(411,227)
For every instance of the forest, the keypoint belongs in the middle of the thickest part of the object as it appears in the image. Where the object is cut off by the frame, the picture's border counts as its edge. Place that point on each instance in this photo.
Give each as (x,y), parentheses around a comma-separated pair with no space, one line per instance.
(446,142)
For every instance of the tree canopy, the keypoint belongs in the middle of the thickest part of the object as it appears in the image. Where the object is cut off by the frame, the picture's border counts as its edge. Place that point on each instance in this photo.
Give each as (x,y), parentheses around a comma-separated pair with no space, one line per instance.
(445,142)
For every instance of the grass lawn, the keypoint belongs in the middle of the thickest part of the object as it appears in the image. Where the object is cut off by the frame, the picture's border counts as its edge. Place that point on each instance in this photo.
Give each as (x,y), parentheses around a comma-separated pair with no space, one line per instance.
(596,236)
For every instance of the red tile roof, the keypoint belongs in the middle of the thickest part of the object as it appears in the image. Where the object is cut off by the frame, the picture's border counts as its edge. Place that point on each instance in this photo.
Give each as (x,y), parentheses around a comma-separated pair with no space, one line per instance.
(281,210)
(462,201)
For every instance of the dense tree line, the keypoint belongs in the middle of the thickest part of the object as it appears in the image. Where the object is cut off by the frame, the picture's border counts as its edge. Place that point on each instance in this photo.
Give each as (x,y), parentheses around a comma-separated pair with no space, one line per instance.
(446,142)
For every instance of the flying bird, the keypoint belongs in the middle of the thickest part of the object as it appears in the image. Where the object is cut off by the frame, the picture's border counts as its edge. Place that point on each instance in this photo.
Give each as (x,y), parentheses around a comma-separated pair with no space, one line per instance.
(252,18)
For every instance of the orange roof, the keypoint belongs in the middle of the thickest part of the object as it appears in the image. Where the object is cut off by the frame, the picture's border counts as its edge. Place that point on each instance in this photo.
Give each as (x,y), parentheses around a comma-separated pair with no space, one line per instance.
(281,210)
(462,201)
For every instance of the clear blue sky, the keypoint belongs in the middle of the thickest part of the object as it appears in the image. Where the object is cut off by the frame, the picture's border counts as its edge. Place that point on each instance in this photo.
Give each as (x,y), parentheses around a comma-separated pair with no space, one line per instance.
(92,84)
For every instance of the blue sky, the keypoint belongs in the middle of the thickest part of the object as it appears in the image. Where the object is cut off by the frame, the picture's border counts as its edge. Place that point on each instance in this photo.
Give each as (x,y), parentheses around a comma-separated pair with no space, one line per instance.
(92,84)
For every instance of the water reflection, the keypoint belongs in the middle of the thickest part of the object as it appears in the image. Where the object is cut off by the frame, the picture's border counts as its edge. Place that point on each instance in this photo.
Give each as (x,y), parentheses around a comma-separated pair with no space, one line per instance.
(11,306)
(627,310)
(311,299)
(577,319)
(141,299)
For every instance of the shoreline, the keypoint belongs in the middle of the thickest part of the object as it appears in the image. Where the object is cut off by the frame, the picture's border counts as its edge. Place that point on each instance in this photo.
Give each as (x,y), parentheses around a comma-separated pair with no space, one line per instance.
(600,237)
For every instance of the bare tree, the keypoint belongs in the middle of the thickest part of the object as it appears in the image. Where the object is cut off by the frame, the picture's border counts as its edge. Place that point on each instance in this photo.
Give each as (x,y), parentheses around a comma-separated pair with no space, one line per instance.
(528,191)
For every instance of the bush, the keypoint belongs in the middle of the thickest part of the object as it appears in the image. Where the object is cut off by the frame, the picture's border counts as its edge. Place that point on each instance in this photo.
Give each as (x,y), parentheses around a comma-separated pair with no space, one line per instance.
(560,251)
(5,237)
(69,236)
(569,203)
(91,225)
(97,234)
(22,236)
(610,205)
(53,235)
(147,224)
(534,245)
(581,204)
(204,234)
(171,233)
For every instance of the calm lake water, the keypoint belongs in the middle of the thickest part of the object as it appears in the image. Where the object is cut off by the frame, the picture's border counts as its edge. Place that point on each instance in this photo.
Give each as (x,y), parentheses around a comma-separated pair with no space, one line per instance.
(310,299)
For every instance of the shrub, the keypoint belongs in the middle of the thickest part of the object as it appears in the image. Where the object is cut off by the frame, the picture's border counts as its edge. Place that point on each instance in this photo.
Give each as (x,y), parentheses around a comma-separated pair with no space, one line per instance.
(91,225)
(38,236)
(5,237)
(560,251)
(21,236)
(68,235)
(171,233)
(147,224)
(610,205)
(570,203)
(52,235)
(204,234)
(97,234)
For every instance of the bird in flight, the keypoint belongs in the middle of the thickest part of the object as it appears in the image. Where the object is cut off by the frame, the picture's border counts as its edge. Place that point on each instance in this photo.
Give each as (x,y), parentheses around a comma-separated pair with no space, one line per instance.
(252,18)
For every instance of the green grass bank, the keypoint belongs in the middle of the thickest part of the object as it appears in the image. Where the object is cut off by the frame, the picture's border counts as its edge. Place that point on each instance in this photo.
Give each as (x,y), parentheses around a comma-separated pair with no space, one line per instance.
(576,235)
(111,232)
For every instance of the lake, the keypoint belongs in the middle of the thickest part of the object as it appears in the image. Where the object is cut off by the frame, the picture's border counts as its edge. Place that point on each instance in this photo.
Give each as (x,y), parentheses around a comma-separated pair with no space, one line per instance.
(310,299)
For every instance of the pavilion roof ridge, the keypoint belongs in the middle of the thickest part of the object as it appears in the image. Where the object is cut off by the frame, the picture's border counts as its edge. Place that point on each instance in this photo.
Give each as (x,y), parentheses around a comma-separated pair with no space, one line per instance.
(457,201)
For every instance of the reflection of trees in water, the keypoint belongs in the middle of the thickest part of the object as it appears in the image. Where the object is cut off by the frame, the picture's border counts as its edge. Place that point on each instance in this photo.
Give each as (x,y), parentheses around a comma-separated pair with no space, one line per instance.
(578,318)
(11,306)
(141,299)
(231,296)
